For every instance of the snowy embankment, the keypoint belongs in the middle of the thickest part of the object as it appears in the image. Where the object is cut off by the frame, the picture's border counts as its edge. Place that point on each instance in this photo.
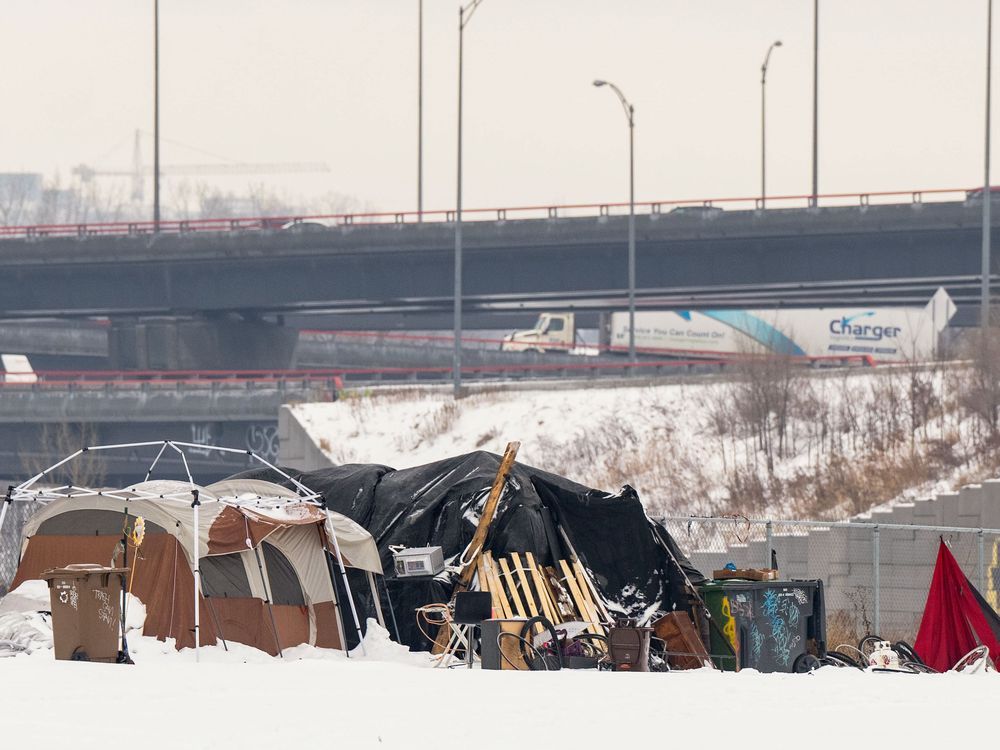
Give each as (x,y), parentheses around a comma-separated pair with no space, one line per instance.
(788,443)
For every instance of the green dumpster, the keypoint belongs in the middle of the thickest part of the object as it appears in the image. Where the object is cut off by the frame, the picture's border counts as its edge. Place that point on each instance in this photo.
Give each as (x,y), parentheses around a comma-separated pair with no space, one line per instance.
(764,625)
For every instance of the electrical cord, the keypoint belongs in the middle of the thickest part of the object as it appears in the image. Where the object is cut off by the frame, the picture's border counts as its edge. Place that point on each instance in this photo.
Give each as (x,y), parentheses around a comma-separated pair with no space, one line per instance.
(837,658)
(435,614)
(861,662)
(523,644)
(552,648)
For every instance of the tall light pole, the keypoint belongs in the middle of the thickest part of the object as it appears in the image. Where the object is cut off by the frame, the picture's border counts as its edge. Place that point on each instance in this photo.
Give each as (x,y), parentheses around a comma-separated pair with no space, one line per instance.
(420,110)
(815,186)
(984,311)
(156,115)
(464,16)
(630,114)
(763,123)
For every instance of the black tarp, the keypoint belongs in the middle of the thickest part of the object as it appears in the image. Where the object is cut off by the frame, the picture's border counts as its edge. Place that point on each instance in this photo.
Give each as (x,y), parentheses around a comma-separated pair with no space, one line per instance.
(439,504)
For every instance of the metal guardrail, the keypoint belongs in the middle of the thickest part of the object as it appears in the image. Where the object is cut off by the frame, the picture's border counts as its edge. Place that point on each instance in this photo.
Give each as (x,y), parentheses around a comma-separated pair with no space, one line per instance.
(336,378)
(305,222)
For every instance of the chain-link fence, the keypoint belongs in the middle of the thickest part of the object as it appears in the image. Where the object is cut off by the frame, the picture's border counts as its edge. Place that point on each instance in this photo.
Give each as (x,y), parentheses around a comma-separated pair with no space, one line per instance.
(10,539)
(876,576)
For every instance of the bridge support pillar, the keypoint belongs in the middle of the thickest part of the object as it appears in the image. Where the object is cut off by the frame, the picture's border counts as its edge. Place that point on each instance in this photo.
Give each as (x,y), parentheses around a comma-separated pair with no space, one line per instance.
(200,344)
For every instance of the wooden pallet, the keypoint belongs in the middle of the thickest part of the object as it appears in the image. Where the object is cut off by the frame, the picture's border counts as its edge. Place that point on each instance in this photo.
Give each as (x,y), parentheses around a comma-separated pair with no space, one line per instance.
(522,588)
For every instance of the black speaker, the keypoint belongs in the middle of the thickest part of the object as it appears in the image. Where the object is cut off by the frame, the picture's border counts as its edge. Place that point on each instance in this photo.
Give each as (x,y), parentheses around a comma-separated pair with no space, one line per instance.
(492,643)
(472,607)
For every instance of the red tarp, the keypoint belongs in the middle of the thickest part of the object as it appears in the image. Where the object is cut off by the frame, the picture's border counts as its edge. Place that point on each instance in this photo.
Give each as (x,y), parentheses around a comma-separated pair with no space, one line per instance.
(956,618)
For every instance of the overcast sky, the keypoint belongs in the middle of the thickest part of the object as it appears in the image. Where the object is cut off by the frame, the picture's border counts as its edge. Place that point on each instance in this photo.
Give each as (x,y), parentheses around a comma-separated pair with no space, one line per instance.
(901,93)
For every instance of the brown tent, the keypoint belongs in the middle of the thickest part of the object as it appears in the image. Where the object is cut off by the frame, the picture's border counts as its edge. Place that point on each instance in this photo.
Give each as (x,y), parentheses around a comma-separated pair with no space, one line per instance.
(266,577)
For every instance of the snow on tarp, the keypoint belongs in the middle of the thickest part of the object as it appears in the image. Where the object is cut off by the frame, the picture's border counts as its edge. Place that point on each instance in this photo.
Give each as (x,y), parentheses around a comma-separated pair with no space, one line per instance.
(440,504)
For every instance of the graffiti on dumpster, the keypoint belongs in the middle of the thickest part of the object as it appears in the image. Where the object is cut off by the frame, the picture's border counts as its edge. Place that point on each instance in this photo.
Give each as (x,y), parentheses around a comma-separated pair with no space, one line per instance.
(782,613)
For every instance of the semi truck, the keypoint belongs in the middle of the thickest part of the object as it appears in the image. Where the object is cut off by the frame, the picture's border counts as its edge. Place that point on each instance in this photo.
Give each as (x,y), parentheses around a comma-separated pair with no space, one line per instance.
(887,334)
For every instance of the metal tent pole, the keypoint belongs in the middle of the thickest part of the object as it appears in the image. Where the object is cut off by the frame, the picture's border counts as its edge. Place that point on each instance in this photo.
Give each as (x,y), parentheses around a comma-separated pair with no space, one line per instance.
(267,600)
(196,572)
(338,610)
(347,585)
(392,610)
(375,599)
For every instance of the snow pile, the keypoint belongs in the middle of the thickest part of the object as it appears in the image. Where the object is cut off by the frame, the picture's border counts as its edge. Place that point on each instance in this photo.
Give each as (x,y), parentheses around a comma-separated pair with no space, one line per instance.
(30,596)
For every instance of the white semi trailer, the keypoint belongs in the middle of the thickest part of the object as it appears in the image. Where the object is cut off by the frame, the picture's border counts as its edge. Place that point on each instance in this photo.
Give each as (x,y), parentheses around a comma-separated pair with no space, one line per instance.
(888,334)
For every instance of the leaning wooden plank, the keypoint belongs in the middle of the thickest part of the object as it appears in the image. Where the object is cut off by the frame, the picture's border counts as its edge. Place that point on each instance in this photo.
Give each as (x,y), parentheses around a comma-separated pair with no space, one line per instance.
(586,599)
(581,605)
(526,593)
(560,596)
(475,547)
(512,588)
(586,588)
(590,590)
(544,595)
(500,602)
(489,509)
(485,583)
(576,559)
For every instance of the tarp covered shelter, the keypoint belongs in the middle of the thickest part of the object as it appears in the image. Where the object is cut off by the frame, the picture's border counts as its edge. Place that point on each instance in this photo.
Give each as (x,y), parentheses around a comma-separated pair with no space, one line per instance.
(265,575)
(956,618)
(552,517)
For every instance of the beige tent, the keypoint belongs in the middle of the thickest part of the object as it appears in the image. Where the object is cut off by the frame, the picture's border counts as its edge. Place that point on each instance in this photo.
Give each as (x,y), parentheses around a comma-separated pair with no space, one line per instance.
(266,558)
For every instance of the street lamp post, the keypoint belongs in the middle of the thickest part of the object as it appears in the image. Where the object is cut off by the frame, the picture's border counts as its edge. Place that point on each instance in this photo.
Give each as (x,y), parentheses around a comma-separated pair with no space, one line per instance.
(464,16)
(763,123)
(156,115)
(420,110)
(984,311)
(815,152)
(630,114)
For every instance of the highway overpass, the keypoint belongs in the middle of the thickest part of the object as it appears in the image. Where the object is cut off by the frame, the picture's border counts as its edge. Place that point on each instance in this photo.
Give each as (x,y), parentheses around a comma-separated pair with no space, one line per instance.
(224,284)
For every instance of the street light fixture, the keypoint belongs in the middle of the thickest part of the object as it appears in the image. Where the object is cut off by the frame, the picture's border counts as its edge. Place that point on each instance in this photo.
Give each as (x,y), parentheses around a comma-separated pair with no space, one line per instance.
(763,123)
(464,16)
(630,114)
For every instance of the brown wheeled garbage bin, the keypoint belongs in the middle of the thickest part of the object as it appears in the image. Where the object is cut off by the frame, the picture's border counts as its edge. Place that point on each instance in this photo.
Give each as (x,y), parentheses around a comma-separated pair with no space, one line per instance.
(629,648)
(86,611)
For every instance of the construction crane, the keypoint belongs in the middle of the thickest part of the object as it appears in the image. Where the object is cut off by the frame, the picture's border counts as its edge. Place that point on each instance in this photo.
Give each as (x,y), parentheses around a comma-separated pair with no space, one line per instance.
(139,171)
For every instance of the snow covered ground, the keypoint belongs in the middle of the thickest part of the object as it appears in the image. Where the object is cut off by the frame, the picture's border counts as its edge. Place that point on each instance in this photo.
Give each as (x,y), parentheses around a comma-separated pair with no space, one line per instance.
(391,698)
(246,700)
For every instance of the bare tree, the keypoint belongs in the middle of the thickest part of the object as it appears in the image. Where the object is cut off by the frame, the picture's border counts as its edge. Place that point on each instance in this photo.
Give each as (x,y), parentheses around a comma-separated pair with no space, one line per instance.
(56,441)
(981,394)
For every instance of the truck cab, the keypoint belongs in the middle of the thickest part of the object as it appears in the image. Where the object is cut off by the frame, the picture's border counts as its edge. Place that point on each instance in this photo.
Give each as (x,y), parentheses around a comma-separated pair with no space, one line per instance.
(552,332)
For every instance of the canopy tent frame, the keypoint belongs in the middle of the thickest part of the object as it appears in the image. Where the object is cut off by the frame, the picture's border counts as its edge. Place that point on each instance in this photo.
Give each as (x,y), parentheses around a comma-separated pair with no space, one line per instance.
(194,497)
